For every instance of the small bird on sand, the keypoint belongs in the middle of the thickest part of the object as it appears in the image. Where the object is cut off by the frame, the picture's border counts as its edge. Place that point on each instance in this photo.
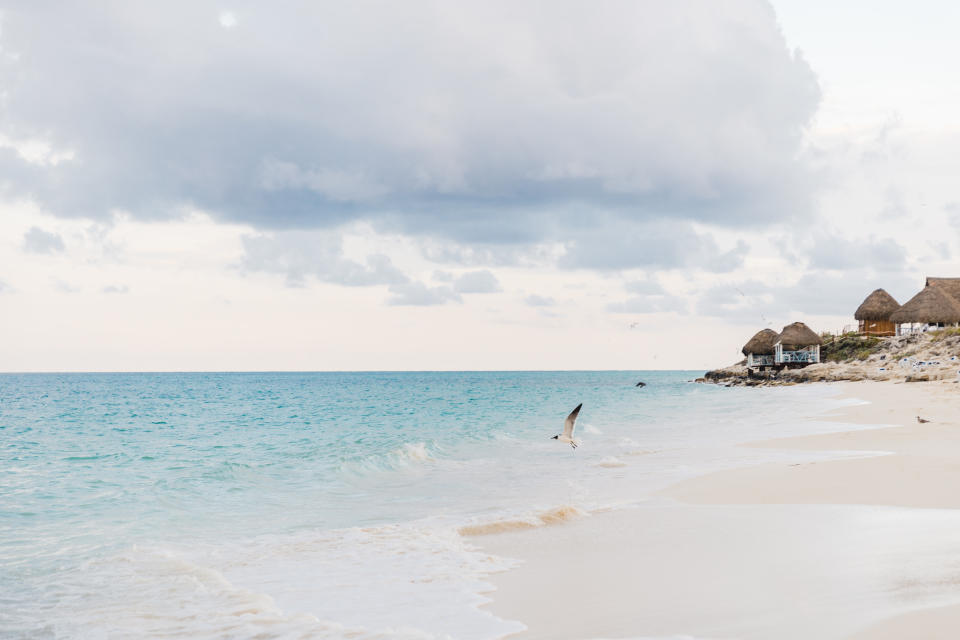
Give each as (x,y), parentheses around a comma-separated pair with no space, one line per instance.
(922,420)
(568,424)
(640,384)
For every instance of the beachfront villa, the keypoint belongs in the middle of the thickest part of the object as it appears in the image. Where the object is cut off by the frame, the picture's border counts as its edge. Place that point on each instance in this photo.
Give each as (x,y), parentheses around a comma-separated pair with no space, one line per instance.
(935,307)
(873,314)
(759,349)
(796,345)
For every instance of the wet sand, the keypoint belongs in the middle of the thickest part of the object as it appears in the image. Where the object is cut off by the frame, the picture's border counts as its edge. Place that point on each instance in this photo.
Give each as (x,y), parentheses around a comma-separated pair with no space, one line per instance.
(863,547)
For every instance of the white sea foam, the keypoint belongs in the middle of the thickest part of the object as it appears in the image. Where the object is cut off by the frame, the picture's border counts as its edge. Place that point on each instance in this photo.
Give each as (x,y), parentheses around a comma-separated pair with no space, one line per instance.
(410,582)
(406,455)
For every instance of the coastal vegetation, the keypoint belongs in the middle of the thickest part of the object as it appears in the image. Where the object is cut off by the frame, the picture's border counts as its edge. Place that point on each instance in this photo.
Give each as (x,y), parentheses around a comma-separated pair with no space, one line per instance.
(848,346)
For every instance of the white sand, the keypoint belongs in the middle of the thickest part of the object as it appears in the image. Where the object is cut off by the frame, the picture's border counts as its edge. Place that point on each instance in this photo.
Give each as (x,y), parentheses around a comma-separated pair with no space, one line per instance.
(866,548)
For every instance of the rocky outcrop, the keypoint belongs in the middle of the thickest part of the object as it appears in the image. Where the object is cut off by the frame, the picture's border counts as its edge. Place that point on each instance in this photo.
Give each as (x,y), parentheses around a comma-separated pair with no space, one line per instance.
(918,358)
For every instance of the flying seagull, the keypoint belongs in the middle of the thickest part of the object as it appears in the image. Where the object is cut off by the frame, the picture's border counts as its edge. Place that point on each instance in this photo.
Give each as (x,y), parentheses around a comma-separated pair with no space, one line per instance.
(919,419)
(568,424)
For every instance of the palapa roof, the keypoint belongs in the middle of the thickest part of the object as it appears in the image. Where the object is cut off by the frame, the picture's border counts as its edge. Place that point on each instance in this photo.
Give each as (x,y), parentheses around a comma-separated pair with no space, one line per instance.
(798,335)
(950,285)
(761,343)
(877,306)
(933,304)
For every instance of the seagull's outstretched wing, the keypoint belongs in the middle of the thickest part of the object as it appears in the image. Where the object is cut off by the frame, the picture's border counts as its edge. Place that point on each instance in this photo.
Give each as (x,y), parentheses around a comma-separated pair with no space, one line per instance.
(571,421)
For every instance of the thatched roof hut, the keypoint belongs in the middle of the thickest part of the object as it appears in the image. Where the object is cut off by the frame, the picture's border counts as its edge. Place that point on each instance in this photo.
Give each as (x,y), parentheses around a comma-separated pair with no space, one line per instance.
(950,285)
(932,305)
(877,306)
(761,343)
(798,335)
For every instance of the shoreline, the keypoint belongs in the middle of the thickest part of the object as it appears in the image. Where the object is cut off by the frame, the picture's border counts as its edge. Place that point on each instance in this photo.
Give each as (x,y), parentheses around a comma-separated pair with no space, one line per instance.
(792,548)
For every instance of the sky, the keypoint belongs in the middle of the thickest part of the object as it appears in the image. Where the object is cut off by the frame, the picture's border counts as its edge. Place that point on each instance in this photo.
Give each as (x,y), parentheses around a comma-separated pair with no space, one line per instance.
(478,185)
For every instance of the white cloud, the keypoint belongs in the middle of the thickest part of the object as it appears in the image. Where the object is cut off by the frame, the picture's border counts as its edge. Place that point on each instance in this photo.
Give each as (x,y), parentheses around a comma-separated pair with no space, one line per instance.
(408,115)
(36,240)
(535,300)
(420,295)
(319,255)
(227,19)
(477,282)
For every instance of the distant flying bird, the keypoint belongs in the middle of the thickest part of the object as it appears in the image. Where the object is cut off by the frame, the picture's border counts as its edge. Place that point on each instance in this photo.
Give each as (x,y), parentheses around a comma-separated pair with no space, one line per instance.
(568,424)
(633,325)
(919,419)
(640,384)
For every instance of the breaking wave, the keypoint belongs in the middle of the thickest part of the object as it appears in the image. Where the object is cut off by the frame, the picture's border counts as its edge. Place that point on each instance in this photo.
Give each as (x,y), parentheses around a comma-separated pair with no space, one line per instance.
(557,515)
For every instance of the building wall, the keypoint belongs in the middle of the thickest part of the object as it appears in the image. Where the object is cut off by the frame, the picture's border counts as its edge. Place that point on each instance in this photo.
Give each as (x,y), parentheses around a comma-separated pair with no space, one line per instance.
(877,328)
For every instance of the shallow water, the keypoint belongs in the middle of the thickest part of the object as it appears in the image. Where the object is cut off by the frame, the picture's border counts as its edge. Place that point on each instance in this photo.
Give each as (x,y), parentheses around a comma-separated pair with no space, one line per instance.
(327,504)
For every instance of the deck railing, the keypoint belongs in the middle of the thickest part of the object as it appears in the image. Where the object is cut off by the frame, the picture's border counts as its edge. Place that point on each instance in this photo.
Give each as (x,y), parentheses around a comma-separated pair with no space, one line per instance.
(755,360)
(800,356)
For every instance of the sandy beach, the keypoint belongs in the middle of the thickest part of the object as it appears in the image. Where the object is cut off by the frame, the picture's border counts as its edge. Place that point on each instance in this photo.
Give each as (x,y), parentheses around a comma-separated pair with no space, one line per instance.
(861,544)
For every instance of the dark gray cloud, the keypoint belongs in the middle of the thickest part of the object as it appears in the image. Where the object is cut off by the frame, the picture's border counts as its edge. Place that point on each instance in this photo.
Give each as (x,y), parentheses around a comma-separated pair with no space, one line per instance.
(320,255)
(489,122)
(420,295)
(36,240)
(477,282)
(533,300)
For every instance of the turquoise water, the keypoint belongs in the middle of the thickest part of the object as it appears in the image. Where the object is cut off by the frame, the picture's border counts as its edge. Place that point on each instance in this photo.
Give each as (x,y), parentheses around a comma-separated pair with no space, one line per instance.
(323,504)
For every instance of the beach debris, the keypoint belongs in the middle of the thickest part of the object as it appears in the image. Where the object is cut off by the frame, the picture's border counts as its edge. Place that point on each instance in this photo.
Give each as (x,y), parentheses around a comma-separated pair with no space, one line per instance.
(568,425)
(640,384)
(922,420)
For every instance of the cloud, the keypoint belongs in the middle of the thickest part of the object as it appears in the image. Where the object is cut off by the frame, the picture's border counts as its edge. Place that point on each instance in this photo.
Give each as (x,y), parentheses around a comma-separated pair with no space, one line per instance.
(645,287)
(815,293)
(533,300)
(832,251)
(650,304)
(660,244)
(894,205)
(227,19)
(297,255)
(746,301)
(419,294)
(65,287)
(642,111)
(121,289)
(485,254)
(442,276)
(36,240)
(649,297)
(477,282)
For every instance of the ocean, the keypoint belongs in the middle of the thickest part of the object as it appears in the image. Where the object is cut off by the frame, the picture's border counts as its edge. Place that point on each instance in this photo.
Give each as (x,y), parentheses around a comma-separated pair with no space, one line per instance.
(329,505)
